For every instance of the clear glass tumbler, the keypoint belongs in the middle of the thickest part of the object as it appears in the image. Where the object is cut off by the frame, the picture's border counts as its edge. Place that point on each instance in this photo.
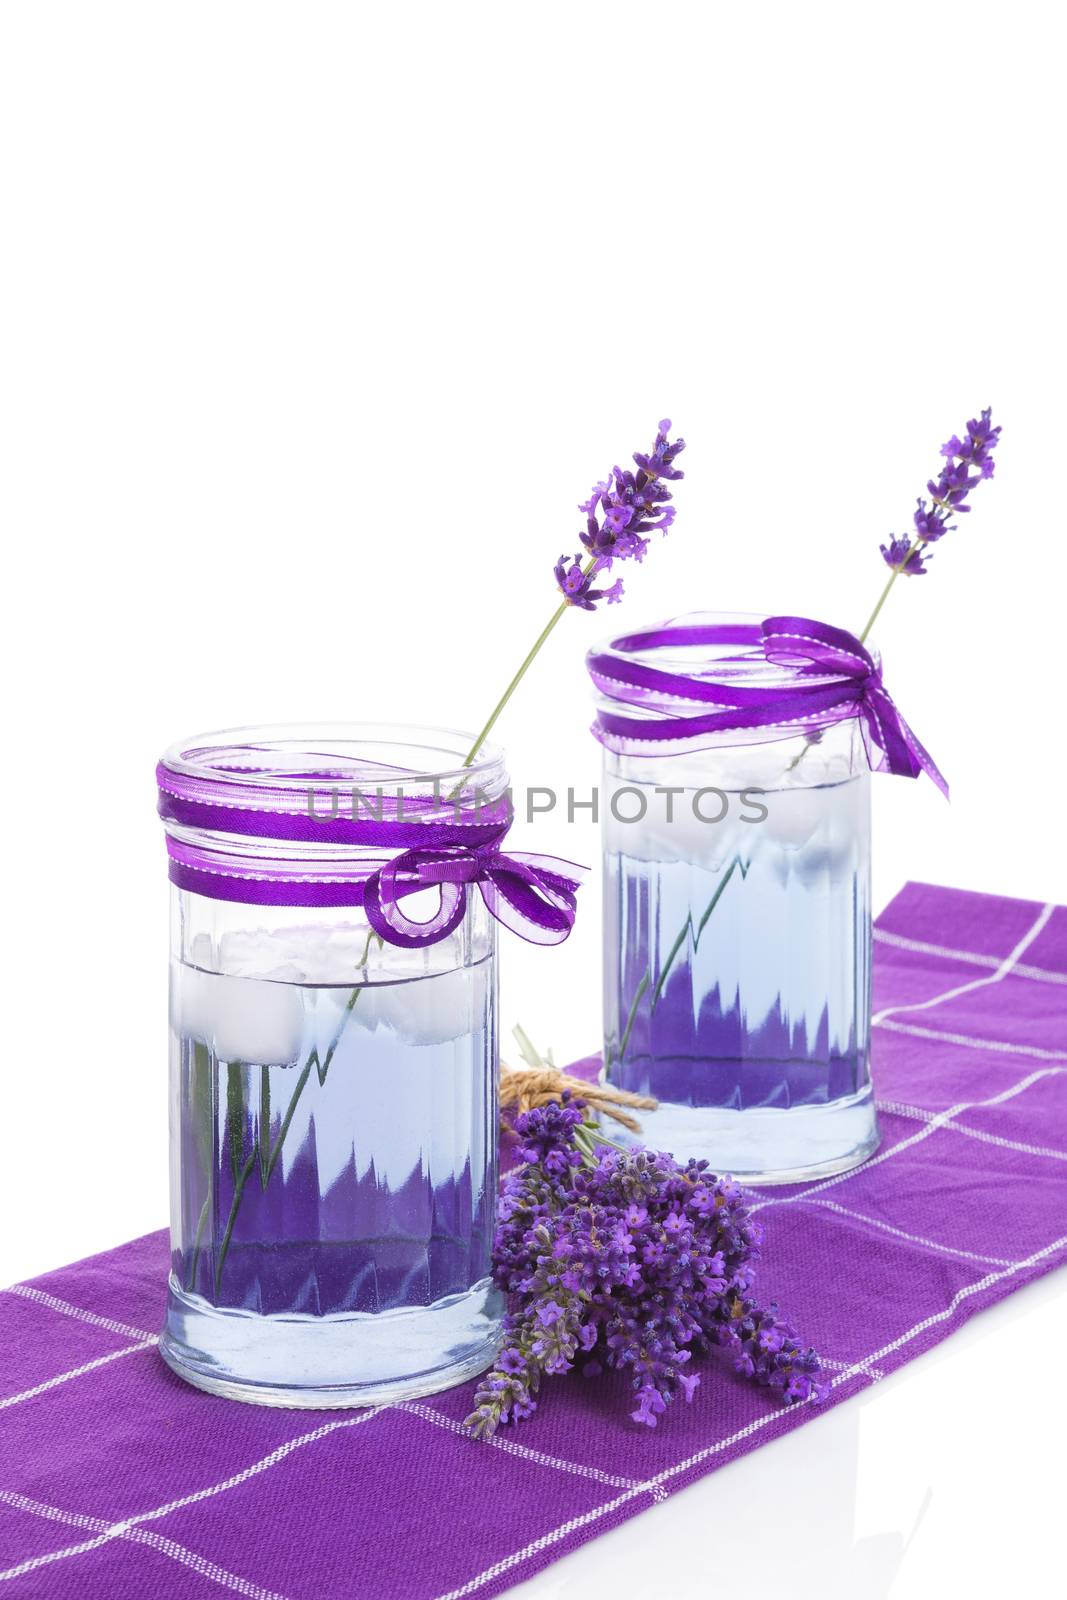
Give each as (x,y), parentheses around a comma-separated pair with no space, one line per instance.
(333,1097)
(737,937)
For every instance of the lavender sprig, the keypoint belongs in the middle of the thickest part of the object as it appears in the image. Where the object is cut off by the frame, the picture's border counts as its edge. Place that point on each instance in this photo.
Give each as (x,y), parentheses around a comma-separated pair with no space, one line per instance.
(618,514)
(967,462)
(625,1259)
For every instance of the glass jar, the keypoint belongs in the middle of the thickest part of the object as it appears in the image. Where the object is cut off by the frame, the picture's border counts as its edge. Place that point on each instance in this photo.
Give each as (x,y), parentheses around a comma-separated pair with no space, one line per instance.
(333,1100)
(737,916)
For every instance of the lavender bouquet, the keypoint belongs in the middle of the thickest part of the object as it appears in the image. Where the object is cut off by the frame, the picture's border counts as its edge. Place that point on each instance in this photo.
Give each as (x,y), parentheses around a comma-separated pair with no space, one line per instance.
(626,1259)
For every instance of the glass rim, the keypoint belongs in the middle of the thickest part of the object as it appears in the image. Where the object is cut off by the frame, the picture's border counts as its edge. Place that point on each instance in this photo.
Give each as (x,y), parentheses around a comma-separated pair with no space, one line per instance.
(294,756)
(729,662)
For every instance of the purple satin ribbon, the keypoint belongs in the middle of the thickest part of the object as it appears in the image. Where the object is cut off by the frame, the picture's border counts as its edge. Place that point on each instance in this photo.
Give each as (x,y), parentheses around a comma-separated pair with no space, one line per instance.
(531,895)
(836,678)
(388,820)
(450,848)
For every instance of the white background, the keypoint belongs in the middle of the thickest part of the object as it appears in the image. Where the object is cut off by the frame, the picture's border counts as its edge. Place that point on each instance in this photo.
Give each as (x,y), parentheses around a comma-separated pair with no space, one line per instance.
(317,321)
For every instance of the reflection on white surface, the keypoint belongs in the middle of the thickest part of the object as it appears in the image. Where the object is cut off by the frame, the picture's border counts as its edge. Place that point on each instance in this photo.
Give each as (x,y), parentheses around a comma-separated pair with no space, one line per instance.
(938,1480)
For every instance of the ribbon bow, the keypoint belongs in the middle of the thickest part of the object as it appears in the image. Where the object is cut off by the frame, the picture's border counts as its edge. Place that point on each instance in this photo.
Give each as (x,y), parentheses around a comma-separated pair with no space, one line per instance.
(527,893)
(824,651)
(231,840)
(836,678)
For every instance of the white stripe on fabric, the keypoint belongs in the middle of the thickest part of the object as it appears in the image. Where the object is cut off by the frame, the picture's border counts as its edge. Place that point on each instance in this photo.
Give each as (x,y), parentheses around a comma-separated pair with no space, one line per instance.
(937,1120)
(1008,1144)
(547,1540)
(999,1046)
(257,1467)
(912,1238)
(918,1114)
(28,1292)
(106,1533)
(967,957)
(524,1452)
(844,1366)
(119,1530)
(957,1300)
(33,1562)
(1001,972)
(76,1372)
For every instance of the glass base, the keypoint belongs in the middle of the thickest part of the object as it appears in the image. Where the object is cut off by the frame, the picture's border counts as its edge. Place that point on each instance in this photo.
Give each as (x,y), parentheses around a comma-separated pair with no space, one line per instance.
(763,1145)
(332,1362)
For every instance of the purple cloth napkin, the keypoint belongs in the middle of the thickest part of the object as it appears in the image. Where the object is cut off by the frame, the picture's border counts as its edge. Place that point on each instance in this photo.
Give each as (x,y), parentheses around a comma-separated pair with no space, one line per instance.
(118,1480)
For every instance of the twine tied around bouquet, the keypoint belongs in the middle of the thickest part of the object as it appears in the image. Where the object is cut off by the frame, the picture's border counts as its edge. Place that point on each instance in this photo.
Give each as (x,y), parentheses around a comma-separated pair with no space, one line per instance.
(522,1088)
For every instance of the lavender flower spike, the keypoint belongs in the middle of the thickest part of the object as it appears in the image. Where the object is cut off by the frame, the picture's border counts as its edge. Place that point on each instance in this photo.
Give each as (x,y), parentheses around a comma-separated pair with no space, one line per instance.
(631,504)
(967,462)
(619,513)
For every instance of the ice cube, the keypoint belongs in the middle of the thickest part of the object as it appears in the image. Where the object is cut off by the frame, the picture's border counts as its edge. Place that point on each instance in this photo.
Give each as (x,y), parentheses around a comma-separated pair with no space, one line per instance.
(240,1019)
(426,1011)
(676,830)
(312,954)
(680,836)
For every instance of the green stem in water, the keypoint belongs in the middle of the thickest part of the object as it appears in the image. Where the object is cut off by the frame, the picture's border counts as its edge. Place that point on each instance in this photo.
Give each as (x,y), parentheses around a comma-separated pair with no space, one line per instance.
(203,1110)
(194,1259)
(321,1070)
(517,679)
(235,1115)
(264,1121)
(736,865)
(238,1191)
(632,1017)
(266,1153)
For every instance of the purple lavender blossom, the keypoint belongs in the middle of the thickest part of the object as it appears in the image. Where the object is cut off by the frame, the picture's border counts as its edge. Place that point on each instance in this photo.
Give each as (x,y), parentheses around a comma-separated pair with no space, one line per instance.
(625,1259)
(930,524)
(899,554)
(659,464)
(978,446)
(967,462)
(576,584)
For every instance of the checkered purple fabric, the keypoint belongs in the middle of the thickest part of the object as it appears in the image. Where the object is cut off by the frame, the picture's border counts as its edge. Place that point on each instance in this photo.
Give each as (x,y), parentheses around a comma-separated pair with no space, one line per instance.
(118,1480)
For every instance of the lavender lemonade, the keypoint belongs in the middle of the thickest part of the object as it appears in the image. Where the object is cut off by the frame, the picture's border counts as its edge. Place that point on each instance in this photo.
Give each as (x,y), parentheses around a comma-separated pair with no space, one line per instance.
(737,916)
(333,1059)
